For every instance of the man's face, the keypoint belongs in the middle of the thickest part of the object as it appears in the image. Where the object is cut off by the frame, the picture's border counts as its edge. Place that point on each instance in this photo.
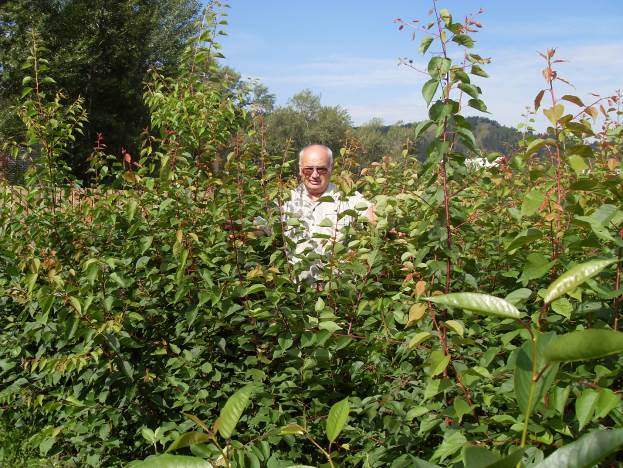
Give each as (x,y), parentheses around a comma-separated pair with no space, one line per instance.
(315,170)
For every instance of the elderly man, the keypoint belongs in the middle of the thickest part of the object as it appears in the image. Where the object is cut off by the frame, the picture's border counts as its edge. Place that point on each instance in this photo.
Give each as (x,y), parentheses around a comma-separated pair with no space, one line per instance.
(313,211)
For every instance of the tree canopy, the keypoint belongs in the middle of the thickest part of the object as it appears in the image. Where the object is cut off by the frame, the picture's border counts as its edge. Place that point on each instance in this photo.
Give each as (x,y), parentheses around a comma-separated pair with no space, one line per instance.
(100,50)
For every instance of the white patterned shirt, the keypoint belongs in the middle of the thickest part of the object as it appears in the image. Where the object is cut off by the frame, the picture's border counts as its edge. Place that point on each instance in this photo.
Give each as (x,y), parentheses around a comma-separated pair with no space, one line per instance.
(316,225)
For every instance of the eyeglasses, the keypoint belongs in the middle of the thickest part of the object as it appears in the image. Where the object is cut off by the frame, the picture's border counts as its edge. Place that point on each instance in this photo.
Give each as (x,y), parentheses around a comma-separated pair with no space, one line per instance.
(308,171)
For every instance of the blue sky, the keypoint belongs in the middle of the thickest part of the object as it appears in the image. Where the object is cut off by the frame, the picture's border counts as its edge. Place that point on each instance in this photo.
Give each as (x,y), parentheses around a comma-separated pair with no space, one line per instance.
(348,51)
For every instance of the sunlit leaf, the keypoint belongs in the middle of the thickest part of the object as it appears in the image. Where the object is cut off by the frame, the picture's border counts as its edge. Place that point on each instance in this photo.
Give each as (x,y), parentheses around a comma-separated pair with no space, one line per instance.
(526,369)
(470,89)
(456,326)
(562,307)
(476,302)
(585,406)
(419,338)
(429,89)
(575,276)
(580,345)
(292,429)
(438,67)
(478,71)
(232,411)
(189,438)
(586,452)
(464,40)
(425,44)
(554,113)
(531,202)
(336,420)
(438,362)
(416,312)
(167,460)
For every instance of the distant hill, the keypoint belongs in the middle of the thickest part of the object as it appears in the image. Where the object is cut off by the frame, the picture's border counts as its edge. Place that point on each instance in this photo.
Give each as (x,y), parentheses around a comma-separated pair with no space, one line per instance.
(377,140)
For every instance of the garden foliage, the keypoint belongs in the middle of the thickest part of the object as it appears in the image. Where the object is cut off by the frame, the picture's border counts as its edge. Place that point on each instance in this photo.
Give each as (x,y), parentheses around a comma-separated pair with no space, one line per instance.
(475,323)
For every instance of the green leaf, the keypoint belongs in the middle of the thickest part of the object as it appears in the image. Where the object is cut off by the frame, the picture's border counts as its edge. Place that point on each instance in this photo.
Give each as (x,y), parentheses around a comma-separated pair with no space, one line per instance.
(535,267)
(554,113)
(470,89)
(438,67)
(531,202)
(464,40)
(585,406)
(577,164)
(131,210)
(445,15)
(461,408)
(510,461)
(534,146)
(586,452)
(429,89)
(608,400)
(254,288)
(189,438)
(478,71)
(478,105)
(149,435)
(336,420)
(292,429)
(456,326)
(468,137)
(518,296)
(45,445)
(478,457)
(562,307)
(75,303)
(524,237)
(584,344)
(476,302)
(145,242)
(526,368)
(438,362)
(329,325)
(170,461)
(421,127)
(418,338)
(121,280)
(571,279)
(453,441)
(425,44)
(419,463)
(440,110)
(232,411)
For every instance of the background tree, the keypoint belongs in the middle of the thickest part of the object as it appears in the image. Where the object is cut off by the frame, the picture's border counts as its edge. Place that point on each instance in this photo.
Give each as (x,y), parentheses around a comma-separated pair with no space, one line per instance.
(100,50)
(304,120)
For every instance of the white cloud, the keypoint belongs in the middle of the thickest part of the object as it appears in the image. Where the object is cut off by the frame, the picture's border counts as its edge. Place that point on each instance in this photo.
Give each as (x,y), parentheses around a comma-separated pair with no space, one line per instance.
(342,72)
(377,87)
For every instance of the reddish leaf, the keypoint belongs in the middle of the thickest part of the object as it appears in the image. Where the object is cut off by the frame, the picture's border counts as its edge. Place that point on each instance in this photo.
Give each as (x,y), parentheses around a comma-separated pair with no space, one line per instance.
(574,99)
(537,100)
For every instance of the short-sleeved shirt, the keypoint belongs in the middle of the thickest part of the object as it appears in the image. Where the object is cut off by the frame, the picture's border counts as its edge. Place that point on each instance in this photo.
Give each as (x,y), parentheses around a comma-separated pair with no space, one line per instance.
(319,224)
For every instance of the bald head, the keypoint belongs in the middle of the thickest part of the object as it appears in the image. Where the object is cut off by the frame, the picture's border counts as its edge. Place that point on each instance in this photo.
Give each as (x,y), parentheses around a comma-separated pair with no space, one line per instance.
(315,164)
(316,147)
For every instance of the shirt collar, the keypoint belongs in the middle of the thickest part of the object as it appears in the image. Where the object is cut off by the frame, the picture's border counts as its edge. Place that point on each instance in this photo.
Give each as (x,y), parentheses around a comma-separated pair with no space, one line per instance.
(302,192)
